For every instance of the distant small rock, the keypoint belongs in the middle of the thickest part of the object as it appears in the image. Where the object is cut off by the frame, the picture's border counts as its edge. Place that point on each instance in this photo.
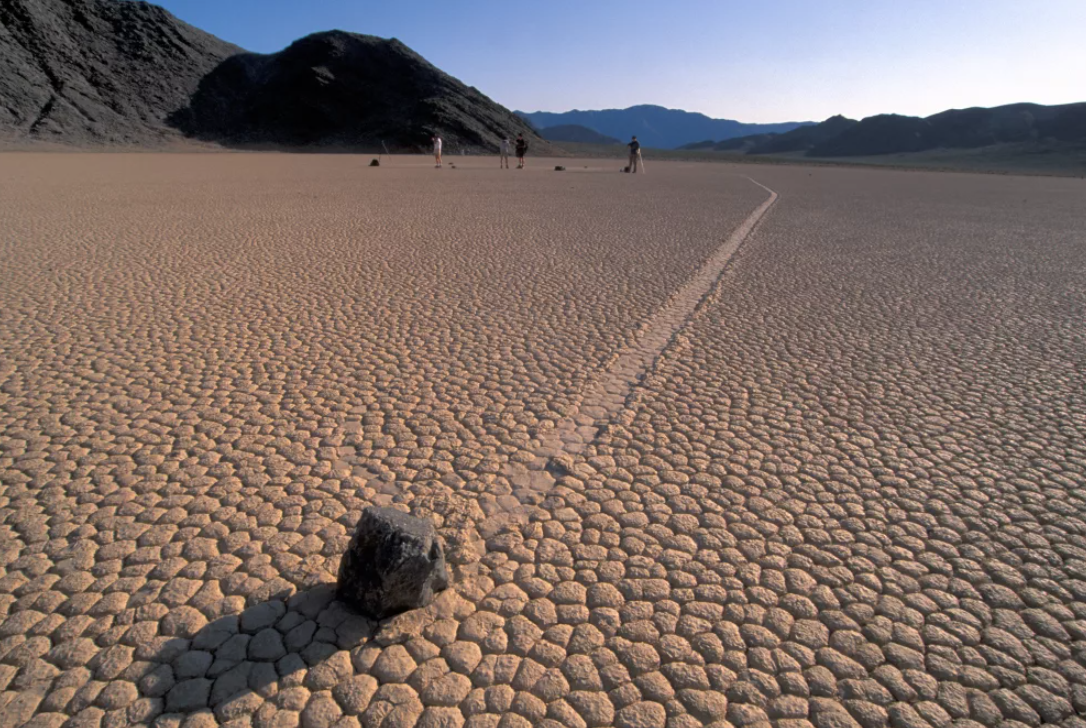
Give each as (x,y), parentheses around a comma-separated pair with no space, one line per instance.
(375,163)
(394,562)
(559,168)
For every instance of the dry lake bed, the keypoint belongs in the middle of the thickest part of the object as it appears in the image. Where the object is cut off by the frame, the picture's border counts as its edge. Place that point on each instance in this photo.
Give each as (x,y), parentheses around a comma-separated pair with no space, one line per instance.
(714,445)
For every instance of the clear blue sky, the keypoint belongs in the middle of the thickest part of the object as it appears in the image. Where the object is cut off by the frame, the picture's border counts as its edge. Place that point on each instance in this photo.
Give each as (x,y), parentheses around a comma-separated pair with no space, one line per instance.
(751,60)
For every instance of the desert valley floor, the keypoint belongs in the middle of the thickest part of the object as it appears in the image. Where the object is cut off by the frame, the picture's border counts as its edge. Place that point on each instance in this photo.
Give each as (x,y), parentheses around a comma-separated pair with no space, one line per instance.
(715,445)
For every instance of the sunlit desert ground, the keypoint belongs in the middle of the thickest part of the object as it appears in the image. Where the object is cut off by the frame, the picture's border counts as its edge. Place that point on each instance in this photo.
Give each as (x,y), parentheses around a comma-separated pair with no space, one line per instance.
(713,445)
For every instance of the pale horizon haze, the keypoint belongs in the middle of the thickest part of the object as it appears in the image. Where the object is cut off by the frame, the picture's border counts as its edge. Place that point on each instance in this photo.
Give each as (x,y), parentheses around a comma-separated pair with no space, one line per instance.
(782,60)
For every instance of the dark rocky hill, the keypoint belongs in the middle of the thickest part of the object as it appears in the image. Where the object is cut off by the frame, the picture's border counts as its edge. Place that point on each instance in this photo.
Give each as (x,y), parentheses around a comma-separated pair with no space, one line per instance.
(576,133)
(344,90)
(1042,128)
(804,138)
(882,134)
(799,139)
(978,127)
(655,126)
(97,71)
(121,72)
(958,129)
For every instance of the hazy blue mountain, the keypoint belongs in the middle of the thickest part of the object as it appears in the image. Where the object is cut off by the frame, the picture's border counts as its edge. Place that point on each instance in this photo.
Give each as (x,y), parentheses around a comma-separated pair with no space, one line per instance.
(576,133)
(799,139)
(656,126)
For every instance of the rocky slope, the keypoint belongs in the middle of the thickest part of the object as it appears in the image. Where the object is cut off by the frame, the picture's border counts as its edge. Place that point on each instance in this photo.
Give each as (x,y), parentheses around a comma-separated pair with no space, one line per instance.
(120,72)
(344,90)
(97,71)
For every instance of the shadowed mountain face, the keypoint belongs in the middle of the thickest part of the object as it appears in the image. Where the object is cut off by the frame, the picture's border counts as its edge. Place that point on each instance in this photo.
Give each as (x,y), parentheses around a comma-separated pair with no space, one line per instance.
(1013,123)
(797,140)
(340,89)
(958,129)
(1042,126)
(655,126)
(741,144)
(882,134)
(805,137)
(576,133)
(97,71)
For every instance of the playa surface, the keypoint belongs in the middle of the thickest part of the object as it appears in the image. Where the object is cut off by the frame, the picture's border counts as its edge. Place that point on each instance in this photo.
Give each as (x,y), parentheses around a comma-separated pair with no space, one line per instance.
(807,449)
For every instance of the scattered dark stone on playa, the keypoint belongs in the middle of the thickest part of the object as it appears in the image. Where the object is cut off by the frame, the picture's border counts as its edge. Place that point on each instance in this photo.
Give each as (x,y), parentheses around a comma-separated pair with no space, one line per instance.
(557,468)
(375,163)
(393,563)
(559,168)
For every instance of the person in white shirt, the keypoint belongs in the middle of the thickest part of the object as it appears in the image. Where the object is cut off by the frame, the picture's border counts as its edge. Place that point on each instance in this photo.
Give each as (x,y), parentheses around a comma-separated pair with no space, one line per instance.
(437,151)
(506,148)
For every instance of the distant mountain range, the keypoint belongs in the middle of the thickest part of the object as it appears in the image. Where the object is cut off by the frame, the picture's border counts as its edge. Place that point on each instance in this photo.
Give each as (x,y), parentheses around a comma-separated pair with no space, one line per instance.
(105,72)
(655,126)
(576,133)
(119,72)
(891,134)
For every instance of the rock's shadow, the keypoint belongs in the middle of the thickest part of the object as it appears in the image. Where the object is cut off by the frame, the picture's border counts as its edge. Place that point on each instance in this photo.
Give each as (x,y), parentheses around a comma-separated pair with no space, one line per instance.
(236,663)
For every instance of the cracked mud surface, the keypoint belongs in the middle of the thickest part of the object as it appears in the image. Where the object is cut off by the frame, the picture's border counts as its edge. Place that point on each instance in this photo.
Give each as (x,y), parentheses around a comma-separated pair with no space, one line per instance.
(847,490)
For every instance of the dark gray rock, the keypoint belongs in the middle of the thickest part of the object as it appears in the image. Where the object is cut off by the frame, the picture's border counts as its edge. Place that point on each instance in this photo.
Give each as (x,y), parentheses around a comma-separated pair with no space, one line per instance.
(92,72)
(394,562)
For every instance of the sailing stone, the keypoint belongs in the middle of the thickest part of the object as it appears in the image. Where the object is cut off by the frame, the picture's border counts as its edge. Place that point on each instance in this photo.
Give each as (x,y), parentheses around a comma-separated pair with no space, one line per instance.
(394,562)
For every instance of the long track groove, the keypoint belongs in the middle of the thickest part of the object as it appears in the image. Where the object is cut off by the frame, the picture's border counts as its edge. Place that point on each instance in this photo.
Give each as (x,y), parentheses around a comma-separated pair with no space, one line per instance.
(607,394)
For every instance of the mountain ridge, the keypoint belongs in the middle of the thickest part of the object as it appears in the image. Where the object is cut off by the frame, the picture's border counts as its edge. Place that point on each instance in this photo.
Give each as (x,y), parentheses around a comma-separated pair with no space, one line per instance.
(970,128)
(655,126)
(576,133)
(341,89)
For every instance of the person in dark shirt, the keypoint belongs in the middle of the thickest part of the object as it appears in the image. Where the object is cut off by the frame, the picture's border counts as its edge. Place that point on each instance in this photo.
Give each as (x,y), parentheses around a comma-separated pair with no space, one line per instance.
(635,155)
(522,149)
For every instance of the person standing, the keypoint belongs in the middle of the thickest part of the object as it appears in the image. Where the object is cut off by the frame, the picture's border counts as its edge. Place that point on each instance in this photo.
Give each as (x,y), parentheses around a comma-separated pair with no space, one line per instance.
(522,149)
(505,150)
(635,155)
(437,151)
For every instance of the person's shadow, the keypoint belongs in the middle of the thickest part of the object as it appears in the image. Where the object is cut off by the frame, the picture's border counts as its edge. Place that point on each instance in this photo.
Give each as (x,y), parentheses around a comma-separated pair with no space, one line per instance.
(233,664)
